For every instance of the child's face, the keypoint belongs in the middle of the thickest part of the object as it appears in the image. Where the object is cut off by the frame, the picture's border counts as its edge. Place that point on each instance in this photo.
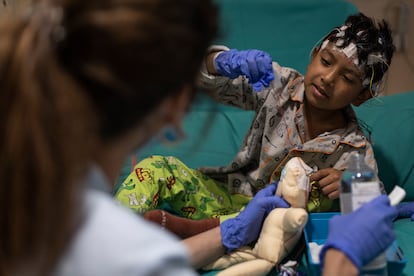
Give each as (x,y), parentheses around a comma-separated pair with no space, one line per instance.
(332,80)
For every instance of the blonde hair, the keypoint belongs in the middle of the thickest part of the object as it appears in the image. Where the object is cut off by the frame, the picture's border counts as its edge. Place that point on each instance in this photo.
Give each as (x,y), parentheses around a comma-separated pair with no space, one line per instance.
(44,150)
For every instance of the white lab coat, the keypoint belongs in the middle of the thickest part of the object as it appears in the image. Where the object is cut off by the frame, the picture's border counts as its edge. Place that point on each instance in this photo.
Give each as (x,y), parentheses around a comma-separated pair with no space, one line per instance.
(114,241)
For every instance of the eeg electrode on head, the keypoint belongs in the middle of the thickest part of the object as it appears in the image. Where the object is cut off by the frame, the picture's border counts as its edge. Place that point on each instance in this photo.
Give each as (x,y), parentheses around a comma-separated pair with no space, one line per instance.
(368,46)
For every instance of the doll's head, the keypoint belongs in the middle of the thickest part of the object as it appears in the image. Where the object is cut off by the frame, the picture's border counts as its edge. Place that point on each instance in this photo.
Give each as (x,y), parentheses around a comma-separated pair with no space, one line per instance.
(294,182)
(368,44)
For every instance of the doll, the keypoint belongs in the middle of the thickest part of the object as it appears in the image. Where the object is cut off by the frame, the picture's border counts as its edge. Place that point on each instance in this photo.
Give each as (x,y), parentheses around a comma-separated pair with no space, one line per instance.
(281,229)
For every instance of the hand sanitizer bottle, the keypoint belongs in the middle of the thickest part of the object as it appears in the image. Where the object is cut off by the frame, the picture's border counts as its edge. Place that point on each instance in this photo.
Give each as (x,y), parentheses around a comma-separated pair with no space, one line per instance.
(360,184)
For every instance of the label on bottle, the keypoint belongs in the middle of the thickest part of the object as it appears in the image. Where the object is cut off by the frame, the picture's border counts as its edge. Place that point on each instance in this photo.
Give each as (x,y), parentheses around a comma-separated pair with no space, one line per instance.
(363,192)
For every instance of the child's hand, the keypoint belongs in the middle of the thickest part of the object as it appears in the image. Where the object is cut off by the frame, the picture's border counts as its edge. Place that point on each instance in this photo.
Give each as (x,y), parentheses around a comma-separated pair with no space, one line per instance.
(329,181)
(256,65)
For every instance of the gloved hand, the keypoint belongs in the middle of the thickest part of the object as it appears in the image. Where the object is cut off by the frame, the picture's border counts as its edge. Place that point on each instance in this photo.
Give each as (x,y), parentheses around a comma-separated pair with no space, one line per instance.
(245,228)
(406,210)
(256,65)
(363,234)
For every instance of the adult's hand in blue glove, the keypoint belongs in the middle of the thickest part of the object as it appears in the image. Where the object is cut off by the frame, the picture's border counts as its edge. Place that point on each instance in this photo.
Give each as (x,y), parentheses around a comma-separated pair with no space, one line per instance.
(363,234)
(245,228)
(406,210)
(256,65)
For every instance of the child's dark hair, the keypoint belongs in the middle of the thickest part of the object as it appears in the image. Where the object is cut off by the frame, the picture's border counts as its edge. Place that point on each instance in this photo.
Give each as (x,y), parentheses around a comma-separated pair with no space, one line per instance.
(374,45)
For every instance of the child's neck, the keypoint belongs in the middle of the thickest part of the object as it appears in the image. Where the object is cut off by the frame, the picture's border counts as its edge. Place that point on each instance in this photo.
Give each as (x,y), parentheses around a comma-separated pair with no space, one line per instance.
(318,121)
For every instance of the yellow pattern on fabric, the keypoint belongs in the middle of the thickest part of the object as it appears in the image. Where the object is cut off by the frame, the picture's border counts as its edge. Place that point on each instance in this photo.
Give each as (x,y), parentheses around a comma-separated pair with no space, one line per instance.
(160,181)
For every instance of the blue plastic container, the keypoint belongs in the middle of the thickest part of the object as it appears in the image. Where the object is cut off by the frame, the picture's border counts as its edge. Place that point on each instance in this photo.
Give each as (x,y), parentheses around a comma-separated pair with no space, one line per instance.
(316,230)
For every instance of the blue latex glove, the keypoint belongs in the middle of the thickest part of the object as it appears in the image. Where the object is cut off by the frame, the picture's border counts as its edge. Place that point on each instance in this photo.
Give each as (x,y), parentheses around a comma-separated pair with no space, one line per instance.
(256,65)
(406,210)
(245,228)
(363,234)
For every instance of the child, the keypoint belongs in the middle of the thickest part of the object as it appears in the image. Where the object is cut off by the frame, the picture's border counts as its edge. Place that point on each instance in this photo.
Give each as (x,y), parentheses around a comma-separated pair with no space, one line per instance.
(308,116)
